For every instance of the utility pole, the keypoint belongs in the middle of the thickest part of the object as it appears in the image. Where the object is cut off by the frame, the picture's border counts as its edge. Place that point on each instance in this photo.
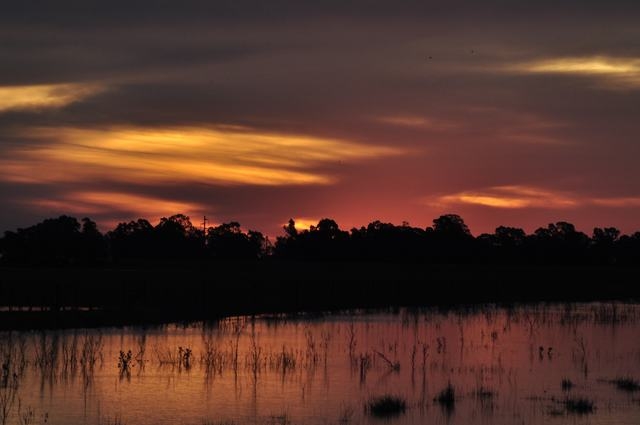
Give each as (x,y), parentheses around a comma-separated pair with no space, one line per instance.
(204,230)
(204,224)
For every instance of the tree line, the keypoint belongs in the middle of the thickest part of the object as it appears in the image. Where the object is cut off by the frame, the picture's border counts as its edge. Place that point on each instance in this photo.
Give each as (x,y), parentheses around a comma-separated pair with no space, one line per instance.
(67,241)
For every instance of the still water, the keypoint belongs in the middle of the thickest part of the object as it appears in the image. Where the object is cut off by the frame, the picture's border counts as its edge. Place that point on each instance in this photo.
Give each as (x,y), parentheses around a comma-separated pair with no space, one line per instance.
(524,365)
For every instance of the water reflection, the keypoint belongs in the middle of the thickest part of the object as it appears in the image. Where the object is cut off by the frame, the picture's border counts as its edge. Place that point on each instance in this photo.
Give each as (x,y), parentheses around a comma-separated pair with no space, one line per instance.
(529,365)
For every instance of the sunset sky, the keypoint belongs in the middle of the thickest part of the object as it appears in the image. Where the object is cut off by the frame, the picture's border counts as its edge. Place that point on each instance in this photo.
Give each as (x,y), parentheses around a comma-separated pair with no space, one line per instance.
(505,112)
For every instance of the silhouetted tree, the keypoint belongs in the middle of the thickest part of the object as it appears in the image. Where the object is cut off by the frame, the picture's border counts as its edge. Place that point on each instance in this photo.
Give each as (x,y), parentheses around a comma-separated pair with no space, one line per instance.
(134,239)
(510,236)
(228,241)
(385,241)
(65,241)
(606,236)
(176,237)
(55,241)
(451,226)
(285,245)
(450,240)
(559,243)
(603,245)
(328,229)
(290,229)
(505,245)
(13,249)
(93,243)
(259,243)
(323,241)
(628,249)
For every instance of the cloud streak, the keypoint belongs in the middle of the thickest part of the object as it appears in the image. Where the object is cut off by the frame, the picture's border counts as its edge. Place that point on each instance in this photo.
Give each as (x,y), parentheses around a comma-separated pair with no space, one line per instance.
(36,97)
(521,197)
(617,72)
(224,156)
(122,205)
(511,197)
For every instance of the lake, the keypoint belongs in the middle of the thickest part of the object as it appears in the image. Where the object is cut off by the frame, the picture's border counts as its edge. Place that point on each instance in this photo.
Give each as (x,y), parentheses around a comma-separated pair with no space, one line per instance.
(533,364)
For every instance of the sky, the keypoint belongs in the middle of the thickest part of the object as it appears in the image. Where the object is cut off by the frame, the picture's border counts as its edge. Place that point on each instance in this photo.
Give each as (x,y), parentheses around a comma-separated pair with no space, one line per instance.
(515,113)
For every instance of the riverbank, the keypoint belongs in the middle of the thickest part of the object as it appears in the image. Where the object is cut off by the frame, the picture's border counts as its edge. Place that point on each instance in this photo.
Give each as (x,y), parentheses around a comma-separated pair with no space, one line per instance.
(89,297)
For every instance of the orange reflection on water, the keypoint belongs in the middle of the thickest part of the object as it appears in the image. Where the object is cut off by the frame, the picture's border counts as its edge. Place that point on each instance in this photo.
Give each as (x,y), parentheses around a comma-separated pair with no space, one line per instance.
(502,363)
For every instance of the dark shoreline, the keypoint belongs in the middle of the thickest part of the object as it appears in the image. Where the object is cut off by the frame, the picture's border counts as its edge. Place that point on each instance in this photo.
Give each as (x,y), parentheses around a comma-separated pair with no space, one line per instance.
(154,294)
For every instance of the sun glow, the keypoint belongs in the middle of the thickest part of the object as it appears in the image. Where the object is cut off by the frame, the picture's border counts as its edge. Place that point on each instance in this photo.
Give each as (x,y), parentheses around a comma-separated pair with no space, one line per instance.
(304,223)
(44,96)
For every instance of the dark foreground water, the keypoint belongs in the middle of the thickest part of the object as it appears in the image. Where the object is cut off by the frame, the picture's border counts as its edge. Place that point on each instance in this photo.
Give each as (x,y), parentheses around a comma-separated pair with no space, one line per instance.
(526,365)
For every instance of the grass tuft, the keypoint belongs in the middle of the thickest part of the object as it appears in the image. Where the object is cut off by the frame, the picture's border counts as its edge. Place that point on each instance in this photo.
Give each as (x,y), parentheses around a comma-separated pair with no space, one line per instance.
(566,384)
(447,397)
(483,393)
(211,422)
(386,406)
(626,384)
(578,405)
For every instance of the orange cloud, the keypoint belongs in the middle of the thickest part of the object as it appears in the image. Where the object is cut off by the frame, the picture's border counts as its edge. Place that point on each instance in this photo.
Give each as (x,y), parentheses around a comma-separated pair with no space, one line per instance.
(93,203)
(624,72)
(621,202)
(516,197)
(44,96)
(221,155)
(416,121)
(406,121)
(511,197)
